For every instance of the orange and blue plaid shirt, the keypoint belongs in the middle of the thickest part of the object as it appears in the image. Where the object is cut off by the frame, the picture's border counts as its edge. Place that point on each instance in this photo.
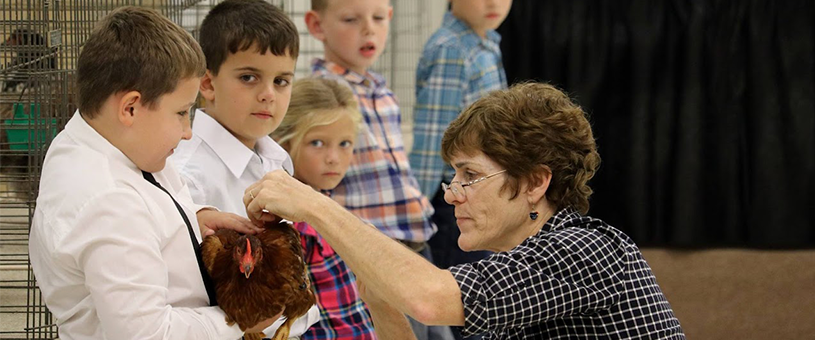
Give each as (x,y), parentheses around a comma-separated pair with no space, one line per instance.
(343,315)
(379,186)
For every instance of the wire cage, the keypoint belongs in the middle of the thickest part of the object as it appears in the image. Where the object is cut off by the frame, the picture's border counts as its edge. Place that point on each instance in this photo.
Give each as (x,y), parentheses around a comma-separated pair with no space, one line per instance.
(39,46)
(40,42)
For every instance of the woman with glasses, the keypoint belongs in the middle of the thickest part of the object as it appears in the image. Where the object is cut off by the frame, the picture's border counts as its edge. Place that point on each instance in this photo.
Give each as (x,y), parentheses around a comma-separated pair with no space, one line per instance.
(522,159)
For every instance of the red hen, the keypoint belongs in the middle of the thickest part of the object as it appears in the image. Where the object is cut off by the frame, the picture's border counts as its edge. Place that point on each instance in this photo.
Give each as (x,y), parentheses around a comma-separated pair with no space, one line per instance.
(256,276)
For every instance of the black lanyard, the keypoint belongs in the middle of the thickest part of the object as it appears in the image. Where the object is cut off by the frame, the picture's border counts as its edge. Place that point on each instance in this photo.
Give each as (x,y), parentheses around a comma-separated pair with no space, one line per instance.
(195,246)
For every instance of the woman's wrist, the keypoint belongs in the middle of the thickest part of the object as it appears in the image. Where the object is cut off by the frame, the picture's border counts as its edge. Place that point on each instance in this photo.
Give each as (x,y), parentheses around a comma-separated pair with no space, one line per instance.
(324,210)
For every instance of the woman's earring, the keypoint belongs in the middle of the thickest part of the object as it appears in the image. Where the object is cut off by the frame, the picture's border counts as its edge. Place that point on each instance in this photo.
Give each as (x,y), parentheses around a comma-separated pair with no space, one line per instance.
(533,215)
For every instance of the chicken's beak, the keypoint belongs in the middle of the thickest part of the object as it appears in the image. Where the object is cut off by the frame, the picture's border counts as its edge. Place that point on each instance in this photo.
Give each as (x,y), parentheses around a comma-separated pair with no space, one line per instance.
(247,270)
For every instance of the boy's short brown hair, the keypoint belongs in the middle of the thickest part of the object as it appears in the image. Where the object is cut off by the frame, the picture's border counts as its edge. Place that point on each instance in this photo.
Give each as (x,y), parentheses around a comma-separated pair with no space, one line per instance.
(135,49)
(319,5)
(236,25)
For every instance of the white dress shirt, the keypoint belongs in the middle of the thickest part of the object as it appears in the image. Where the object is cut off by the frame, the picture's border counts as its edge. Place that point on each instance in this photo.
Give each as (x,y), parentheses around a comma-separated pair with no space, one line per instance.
(110,251)
(218,168)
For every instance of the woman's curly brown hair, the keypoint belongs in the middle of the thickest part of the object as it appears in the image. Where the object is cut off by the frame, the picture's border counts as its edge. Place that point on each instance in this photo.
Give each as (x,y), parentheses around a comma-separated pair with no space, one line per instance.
(525,127)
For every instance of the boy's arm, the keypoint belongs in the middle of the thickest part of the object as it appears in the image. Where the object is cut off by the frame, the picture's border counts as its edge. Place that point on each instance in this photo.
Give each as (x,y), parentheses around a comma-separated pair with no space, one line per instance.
(439,99)
(126,270)
(389,322)
(299,327)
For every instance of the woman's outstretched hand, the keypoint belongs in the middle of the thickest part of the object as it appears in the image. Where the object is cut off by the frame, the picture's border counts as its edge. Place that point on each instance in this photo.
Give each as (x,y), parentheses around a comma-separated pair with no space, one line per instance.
(279,195)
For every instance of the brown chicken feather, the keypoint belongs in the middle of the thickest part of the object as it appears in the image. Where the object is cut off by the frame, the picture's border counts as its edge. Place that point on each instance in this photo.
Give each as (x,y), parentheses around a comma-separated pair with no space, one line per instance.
(250,294)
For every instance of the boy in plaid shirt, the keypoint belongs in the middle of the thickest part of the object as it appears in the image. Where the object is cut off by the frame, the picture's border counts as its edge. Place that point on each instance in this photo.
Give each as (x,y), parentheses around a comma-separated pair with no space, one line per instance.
(461,62)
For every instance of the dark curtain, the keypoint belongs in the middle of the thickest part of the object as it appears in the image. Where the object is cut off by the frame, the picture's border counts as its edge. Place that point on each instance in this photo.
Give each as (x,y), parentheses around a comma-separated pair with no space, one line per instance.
(703,112)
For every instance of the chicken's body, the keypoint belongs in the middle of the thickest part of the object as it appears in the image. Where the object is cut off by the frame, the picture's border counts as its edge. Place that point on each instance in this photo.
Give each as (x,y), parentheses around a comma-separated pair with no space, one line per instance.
(278,278)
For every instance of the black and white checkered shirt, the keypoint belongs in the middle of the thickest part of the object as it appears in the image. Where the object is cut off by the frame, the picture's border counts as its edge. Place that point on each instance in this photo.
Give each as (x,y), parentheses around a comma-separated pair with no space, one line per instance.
(578,278)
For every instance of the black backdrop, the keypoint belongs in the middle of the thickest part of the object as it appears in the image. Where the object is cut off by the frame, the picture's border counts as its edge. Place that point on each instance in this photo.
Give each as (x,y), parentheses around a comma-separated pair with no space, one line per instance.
(703,111)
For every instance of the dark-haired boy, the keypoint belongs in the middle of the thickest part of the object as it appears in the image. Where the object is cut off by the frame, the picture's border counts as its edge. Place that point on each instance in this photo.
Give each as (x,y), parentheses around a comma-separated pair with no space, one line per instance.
(251,49)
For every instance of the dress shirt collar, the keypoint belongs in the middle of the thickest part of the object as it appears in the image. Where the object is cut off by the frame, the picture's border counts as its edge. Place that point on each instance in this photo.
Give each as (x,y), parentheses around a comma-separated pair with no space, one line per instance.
(229,149)
(370,79)
(83,133)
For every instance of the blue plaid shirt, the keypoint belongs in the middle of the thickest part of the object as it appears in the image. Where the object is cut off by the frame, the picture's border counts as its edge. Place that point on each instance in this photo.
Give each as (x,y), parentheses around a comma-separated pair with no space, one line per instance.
(379,186)
(457,67)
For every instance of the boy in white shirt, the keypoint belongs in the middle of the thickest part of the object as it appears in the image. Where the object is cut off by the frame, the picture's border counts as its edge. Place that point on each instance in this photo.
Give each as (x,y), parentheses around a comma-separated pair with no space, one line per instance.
(251,50)
(113,243)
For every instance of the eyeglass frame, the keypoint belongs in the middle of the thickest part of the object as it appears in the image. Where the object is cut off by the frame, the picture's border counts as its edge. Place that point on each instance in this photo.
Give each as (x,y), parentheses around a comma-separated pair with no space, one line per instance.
(449,187)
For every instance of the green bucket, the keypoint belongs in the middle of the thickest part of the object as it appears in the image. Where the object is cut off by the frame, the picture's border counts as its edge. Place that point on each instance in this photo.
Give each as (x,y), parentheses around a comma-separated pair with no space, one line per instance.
(25,133)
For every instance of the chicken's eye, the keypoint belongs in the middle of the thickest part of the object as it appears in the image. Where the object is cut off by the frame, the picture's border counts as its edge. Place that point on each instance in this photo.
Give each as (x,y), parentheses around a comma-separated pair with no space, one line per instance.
(302,286)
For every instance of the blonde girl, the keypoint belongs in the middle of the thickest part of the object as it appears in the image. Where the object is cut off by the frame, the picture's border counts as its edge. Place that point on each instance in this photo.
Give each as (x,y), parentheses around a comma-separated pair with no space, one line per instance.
(318,131)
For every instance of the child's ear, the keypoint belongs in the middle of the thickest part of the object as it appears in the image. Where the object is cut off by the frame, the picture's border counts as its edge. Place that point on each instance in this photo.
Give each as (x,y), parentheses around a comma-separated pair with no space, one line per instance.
(128,107)
(314,25)
(207,88)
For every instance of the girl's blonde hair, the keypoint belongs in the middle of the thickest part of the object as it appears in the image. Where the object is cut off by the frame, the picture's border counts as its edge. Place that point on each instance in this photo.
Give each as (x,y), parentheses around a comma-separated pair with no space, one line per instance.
(315,102)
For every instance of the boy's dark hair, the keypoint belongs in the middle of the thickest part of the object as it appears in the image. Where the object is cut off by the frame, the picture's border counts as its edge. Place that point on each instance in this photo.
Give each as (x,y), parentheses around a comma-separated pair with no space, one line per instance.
(236,25)
(135,49)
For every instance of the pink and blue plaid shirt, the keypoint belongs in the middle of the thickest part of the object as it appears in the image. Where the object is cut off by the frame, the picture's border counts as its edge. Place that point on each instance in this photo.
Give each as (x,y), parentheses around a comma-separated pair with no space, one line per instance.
(379,186)
(343,315)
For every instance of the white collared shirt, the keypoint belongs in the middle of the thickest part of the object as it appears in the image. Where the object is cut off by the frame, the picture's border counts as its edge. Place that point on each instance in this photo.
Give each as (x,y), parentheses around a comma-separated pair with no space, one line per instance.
(110,251)
(218,168)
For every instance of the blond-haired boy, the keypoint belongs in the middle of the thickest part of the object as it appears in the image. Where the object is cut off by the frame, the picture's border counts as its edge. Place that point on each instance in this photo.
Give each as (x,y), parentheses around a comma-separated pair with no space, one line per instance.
(460,63)
(112,242)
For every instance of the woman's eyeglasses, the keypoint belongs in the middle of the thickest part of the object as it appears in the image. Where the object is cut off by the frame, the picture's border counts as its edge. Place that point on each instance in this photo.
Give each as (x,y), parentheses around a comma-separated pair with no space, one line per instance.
(457,188)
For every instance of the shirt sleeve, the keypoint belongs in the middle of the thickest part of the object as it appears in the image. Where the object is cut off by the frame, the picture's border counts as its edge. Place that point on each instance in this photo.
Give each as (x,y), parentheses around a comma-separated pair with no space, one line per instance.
(184,195)
(541,282)
(120,255)
(194,189)
(440,87)
(299,327)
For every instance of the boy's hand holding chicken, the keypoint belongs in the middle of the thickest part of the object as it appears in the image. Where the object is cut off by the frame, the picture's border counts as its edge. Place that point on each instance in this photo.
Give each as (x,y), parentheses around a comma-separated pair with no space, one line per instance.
(210,221)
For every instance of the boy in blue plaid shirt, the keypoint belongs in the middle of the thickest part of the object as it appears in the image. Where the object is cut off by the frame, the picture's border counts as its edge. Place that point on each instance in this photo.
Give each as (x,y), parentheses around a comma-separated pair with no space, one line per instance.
(461,62)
